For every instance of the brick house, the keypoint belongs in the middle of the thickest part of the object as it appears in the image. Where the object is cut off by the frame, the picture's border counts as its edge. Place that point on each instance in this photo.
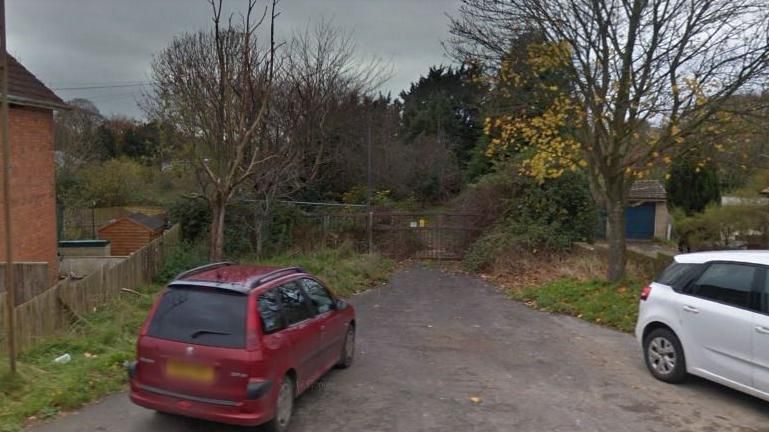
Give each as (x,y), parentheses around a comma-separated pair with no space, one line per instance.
(33,193)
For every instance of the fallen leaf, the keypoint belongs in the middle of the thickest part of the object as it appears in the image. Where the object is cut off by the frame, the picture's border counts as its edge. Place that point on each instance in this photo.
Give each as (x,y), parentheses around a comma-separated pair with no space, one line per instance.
(475,399)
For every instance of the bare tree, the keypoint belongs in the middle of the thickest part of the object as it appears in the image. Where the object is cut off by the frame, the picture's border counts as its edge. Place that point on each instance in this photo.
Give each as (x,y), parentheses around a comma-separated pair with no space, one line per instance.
(321,75)
(213,87)
(671,64)
(315,81)
(76,134)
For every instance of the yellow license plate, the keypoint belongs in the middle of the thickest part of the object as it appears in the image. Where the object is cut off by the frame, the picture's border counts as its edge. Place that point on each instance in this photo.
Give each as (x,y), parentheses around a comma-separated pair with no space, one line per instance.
(190,371)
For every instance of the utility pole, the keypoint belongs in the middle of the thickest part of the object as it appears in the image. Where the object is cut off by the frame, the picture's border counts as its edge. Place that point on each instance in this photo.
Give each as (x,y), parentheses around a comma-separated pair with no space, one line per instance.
(370,193)
(10,291)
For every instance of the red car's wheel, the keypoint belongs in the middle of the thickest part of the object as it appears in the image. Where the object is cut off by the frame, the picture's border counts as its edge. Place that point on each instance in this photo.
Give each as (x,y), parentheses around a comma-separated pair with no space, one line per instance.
(348,349)
(284,406)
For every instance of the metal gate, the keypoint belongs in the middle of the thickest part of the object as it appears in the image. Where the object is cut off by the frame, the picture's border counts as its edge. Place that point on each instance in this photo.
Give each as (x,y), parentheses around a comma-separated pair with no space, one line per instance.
(440,236)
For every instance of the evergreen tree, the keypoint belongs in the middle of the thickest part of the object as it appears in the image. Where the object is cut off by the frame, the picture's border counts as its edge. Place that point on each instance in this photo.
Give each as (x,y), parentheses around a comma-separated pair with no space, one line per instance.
(692,184)
(444,103)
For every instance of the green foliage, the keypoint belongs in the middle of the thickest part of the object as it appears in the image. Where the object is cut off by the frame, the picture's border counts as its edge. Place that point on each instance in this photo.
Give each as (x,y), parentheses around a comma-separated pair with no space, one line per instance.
(98,344)
(720,227)
(194,217)
(184,257)
(546,216)
(116,182)
(510,235)
(359,195)
(479,164)
(445,102)
(611,304)
(692,184)
(345,271)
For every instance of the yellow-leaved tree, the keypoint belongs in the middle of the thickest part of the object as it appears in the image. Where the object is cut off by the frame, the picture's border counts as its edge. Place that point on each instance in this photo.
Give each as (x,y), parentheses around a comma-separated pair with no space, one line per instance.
(643,75)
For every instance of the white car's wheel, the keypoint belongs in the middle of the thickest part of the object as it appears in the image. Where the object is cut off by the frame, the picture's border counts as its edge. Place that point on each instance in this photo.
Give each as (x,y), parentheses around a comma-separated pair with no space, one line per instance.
(664,356)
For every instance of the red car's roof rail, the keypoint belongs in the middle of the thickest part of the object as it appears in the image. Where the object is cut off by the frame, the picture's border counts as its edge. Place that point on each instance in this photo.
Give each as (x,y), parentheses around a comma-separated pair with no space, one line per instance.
(258,280)
(203,268)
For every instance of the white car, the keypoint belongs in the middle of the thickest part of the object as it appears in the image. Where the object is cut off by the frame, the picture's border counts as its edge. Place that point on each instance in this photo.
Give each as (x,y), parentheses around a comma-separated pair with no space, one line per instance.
(707,314)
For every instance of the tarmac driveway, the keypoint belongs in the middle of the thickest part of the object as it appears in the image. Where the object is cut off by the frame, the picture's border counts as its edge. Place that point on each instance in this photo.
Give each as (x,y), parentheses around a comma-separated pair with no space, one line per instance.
(431,342)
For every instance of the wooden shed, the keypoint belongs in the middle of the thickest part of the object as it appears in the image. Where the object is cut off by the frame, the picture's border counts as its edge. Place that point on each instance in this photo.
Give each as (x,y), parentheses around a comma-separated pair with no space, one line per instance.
(131,233)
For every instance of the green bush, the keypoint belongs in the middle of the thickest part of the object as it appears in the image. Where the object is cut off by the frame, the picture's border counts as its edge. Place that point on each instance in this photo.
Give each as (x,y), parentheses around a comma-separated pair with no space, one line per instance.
(115,182)
(720,227)
(346,271)
(533,216)
(194,217)
(184,257)
(512,235)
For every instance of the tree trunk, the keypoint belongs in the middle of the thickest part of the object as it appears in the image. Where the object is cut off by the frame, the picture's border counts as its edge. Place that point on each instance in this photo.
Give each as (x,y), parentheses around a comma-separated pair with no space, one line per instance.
(615,235)
(216,247)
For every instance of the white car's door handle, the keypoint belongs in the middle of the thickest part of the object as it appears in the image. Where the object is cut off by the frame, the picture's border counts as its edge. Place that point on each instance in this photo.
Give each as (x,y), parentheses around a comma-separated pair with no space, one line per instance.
(691,309)
(762,330)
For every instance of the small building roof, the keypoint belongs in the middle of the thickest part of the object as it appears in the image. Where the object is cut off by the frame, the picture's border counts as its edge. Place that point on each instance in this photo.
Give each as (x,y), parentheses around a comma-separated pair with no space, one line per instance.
(647,190)
(151,222)
(25,89)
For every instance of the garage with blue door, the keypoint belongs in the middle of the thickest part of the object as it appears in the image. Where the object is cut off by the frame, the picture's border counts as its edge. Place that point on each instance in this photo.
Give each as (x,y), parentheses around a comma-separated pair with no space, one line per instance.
(639,221)
(646,214)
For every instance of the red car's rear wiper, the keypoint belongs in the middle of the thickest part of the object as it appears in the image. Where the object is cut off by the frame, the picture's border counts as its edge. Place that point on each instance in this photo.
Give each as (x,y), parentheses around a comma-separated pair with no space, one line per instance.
(202,332)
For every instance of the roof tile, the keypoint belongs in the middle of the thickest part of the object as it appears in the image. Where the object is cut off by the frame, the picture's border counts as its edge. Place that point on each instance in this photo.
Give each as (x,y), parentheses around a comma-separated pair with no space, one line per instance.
(648,190)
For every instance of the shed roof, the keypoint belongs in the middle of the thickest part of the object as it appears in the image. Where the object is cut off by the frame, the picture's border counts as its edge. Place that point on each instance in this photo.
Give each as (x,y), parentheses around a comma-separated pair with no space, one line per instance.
(647,190)
(151,222)
(25,89)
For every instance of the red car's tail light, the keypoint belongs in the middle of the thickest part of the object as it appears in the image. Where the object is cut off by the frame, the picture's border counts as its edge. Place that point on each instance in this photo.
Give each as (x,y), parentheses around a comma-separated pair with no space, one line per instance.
(252,332)
(645,292)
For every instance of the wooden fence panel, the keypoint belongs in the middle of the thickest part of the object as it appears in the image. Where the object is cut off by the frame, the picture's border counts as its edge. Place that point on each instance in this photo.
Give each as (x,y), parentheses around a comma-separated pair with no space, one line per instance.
(54,310)
(30,278)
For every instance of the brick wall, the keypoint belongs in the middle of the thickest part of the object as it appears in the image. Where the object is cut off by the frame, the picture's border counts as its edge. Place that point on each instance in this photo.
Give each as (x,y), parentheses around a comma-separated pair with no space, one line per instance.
(33,193)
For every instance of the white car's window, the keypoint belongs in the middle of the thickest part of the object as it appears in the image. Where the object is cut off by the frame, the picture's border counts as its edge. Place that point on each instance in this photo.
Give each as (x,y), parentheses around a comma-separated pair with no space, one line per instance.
(726,283)
(677,274)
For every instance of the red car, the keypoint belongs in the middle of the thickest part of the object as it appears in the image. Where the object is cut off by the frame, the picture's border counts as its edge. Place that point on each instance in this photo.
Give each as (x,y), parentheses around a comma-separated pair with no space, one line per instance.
(236,344)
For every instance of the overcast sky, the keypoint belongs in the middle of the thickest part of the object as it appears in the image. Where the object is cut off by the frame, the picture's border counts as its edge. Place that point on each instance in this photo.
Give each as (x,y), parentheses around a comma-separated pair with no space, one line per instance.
(76,43)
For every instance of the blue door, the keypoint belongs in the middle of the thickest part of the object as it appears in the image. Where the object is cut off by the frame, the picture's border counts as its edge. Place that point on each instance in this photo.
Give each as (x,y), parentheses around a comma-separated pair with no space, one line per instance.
(639,222)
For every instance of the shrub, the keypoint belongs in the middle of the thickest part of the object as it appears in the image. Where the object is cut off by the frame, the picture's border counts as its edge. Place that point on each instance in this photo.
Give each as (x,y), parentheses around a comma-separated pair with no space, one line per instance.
(534,216)
(488,198)
(115,182)
(511,235)
(194,217)
(184,257)
(720,227)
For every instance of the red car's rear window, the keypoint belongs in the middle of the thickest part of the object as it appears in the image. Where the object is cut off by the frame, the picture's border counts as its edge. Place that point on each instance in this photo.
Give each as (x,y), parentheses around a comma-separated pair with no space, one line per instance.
(201,316)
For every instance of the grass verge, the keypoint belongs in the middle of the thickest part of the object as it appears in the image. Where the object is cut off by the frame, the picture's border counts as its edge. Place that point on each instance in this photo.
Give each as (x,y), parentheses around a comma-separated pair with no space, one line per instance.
(98,345)
(103,340)
(611,304)
(570,284)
